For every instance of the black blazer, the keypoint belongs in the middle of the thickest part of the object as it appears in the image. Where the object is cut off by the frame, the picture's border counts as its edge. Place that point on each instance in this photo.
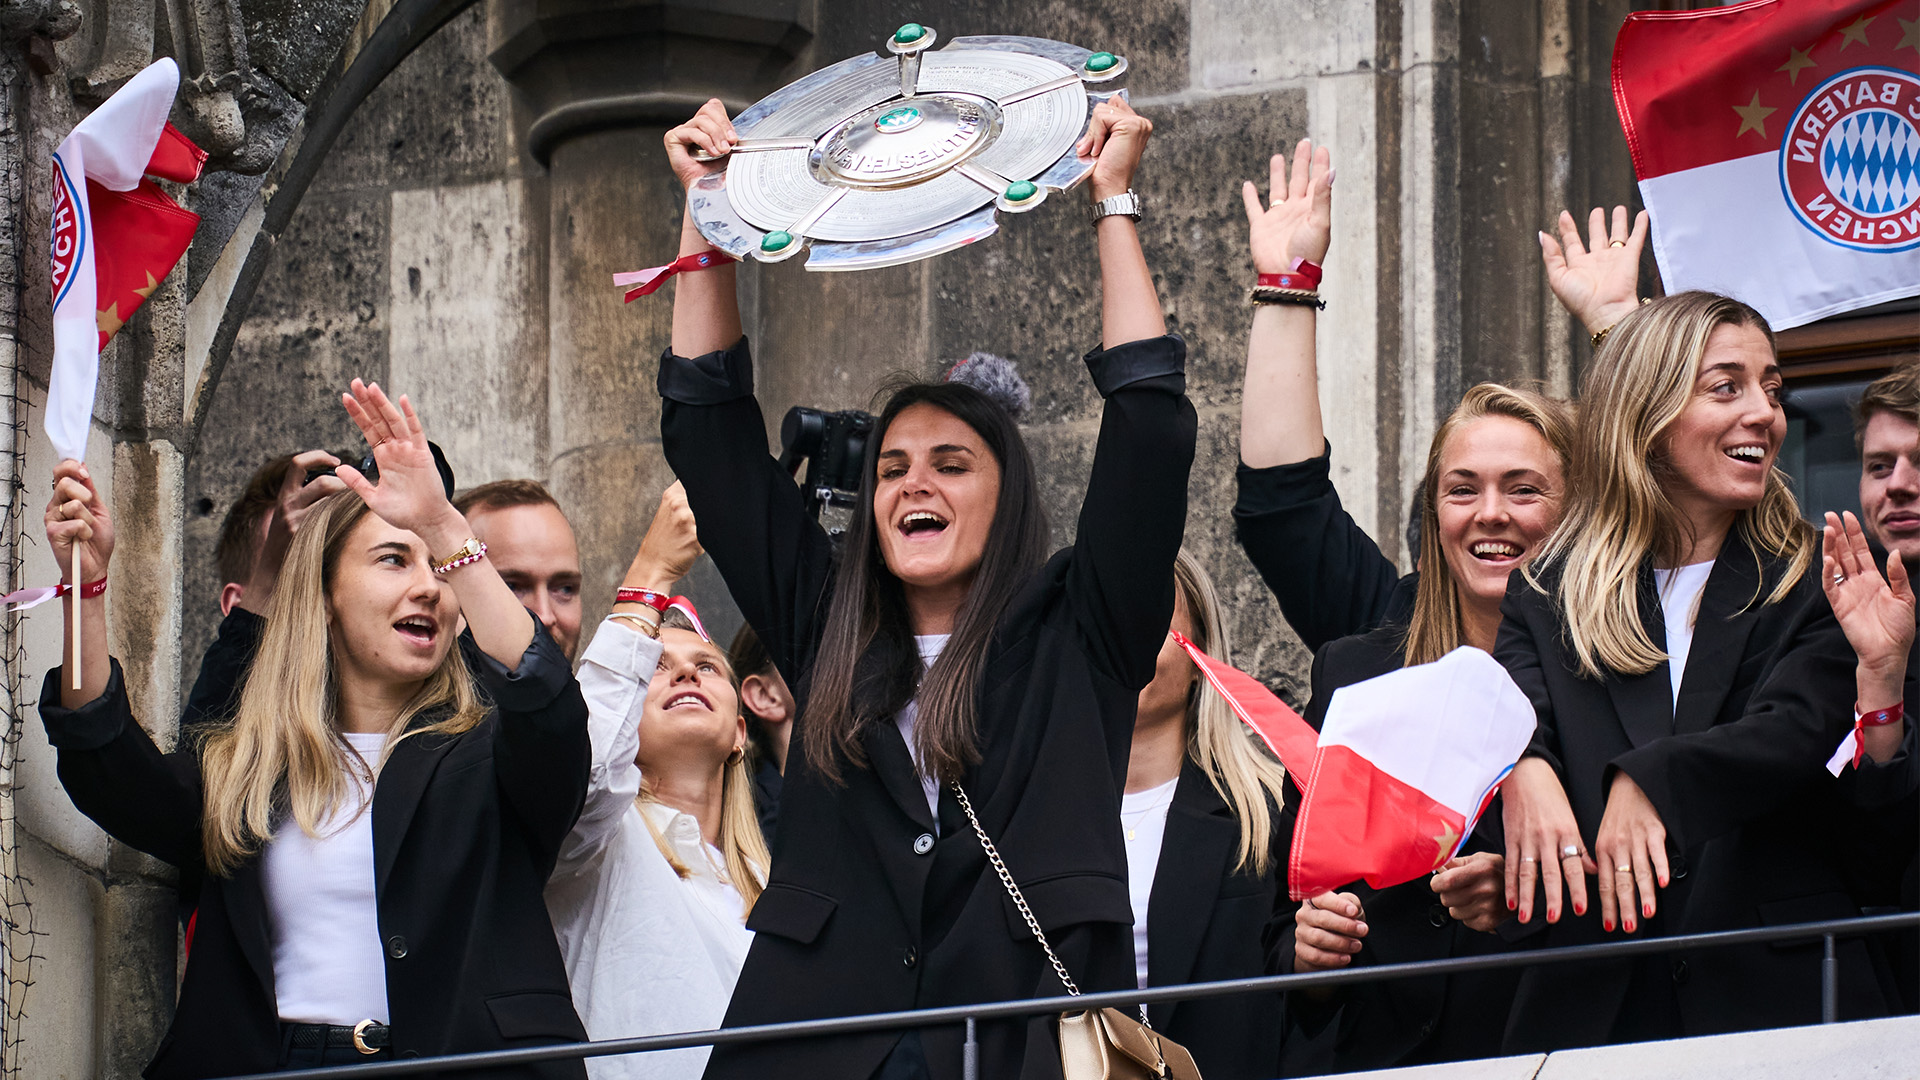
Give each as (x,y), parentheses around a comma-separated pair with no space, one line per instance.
(1736,772)
(1403,1022)
(1208,921)
(1328,574)
(864,911)
(465,832)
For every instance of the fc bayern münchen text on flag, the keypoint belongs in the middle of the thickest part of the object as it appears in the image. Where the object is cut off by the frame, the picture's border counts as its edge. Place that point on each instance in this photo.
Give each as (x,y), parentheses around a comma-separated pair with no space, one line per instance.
(1777,145)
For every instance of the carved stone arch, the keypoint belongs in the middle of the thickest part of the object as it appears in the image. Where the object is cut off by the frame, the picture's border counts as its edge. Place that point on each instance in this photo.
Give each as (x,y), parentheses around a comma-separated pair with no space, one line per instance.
(386,32)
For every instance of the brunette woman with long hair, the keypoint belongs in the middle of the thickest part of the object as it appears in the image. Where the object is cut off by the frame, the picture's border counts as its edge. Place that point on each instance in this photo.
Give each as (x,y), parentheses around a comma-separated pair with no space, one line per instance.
(655,882)
(1491,491)
(942,661)
(1690,681)
(367,839)
(1206,868)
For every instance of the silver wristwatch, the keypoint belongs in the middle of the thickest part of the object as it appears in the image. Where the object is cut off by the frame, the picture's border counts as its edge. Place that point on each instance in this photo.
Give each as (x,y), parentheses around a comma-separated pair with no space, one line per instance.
(1127,203)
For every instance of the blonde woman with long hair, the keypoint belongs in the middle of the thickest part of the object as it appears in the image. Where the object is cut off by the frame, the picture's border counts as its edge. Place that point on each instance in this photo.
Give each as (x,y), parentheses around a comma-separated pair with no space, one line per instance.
(1206,871)
(1495,475)
(365,843)
(1690,682)
(658,877)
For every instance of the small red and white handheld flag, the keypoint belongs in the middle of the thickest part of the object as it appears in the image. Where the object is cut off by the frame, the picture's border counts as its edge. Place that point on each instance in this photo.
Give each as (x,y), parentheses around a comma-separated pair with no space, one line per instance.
(1801,199)
(1407,763)
(115,235)
(1400,772)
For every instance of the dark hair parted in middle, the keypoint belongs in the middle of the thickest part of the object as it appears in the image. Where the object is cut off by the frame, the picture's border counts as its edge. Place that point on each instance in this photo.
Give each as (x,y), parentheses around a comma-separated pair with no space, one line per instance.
(868,666)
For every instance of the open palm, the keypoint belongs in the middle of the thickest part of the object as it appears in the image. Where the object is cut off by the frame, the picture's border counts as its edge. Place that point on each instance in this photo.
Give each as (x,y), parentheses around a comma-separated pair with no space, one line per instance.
(1598,281)
(1877,613)
(409,493)
(1298,224)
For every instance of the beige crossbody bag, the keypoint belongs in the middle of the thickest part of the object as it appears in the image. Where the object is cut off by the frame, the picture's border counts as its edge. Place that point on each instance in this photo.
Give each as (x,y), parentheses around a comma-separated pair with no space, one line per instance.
(1104,1044)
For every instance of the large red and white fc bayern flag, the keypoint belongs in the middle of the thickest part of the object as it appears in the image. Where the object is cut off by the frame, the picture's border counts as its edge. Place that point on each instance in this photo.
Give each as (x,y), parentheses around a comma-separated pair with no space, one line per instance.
(1778,149)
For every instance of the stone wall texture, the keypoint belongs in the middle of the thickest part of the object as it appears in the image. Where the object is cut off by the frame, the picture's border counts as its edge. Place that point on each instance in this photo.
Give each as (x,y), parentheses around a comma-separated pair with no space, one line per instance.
(457,240)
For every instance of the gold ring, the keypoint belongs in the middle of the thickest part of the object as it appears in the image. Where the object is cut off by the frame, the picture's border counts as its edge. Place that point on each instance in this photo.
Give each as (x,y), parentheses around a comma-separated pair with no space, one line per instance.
(359,1043)
(1627,869)
(1618,243)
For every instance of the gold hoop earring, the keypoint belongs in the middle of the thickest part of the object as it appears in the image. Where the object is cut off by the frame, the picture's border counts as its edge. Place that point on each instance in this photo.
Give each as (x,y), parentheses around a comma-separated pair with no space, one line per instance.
(739,752)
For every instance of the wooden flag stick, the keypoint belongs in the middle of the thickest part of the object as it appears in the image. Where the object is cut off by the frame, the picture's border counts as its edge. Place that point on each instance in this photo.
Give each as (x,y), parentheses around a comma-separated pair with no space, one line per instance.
(76,613)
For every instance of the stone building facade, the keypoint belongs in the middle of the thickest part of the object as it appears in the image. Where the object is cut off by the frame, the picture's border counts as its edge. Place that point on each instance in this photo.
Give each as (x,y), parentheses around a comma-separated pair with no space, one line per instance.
(434,194)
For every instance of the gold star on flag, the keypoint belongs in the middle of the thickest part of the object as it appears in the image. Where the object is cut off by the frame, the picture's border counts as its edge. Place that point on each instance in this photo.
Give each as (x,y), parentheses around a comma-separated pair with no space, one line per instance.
(109,319)
(1856,32)
(1909,34)
(151,285)
(1753,116)
(1797,59)
(1447,841)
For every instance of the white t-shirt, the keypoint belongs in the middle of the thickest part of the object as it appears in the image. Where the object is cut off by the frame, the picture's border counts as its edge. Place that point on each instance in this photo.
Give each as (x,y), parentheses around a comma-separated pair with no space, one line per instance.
(930,646)
(1680,590)
(1143,816)
(322,917)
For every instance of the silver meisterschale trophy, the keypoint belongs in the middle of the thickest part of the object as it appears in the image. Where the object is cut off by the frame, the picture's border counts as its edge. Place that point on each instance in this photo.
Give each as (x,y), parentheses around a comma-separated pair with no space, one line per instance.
(886,159)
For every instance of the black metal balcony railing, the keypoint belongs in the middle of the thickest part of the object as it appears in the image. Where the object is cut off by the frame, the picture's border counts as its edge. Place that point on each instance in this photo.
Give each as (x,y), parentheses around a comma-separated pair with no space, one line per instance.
(969,1014)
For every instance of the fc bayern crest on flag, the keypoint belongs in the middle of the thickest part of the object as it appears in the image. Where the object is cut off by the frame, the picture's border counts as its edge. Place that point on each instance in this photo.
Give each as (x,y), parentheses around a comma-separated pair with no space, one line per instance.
(1850,161)
(69,240)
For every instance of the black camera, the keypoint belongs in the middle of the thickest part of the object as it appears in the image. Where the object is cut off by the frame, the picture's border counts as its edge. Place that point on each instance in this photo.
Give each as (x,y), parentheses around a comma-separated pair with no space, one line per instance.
(834,446)
(370,468)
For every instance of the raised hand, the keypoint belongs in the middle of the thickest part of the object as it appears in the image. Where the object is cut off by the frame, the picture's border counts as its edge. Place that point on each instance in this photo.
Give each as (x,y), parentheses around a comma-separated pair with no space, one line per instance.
(1876,613)
(1299,222)
(1116,137)
(1327,931)
(1631,848)
(671,544)
(1543,841)
(1471,888)
(76,514)
(1598,282)
(410,494)
(708,132)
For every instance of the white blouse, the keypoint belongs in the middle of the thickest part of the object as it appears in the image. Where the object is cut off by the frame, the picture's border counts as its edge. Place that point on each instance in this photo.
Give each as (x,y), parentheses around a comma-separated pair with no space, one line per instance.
(647,951)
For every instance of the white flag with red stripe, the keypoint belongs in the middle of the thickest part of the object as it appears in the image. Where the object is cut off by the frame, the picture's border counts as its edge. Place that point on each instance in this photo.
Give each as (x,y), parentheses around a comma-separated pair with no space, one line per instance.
(1400,772)
(1407,763)
(1801,199)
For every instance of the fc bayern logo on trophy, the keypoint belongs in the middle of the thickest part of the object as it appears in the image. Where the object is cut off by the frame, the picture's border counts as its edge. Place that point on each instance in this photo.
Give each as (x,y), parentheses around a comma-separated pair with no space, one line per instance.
(69,239)
(1850,160)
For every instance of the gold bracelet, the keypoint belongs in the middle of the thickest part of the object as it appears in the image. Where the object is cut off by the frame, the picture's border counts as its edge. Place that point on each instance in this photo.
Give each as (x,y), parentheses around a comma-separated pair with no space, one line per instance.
(649,627)
(1602,335)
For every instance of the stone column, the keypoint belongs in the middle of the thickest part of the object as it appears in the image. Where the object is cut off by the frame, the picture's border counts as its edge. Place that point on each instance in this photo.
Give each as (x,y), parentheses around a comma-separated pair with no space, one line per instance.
(597,92)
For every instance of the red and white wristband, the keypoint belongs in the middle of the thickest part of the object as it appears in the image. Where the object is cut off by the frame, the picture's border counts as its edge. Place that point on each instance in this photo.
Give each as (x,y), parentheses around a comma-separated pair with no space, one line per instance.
(22,599)
(663,603)
(1854,746)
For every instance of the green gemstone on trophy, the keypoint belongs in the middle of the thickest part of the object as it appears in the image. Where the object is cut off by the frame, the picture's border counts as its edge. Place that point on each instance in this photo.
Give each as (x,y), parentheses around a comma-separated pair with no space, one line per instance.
(1101,61)
(897,120)
(776,241)
(1021,190)
(909,34)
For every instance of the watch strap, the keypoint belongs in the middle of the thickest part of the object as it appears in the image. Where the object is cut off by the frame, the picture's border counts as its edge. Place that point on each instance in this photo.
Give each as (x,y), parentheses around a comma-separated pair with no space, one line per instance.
(1127,203)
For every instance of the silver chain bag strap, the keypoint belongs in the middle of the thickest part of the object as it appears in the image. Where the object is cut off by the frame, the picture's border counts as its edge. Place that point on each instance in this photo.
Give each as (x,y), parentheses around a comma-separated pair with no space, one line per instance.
(1106,1044)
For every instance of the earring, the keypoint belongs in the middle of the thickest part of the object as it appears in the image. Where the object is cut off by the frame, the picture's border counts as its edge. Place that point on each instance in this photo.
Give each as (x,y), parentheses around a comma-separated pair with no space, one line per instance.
(739,752)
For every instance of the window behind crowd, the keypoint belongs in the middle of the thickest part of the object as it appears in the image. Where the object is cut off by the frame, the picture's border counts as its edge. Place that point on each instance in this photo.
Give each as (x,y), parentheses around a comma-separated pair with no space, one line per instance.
(1827,365)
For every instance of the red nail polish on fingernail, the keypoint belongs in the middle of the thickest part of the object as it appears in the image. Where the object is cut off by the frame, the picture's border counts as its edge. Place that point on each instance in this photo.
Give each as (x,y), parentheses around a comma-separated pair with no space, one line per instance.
(1646,911)
(1511,905)
(1607,925)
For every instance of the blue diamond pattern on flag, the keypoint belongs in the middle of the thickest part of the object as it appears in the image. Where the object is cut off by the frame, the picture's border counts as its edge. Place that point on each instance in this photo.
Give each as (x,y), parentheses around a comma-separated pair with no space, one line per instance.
(1870,162)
